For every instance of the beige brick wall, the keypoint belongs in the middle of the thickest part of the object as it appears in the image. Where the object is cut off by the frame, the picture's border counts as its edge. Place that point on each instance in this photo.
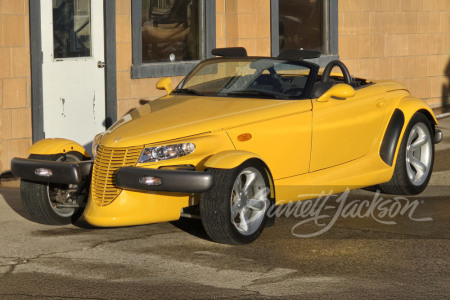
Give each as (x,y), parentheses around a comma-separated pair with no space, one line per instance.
(15,94)
(404,40)
(244,23)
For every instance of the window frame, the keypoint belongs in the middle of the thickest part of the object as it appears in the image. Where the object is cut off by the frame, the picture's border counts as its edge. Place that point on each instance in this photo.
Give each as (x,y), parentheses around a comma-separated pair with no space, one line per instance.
(163,69)
(330,37)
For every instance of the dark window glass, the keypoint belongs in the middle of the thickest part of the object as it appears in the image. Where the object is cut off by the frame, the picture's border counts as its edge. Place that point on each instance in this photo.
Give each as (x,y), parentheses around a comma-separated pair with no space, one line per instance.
(71,28)
(170,30)
(301,24)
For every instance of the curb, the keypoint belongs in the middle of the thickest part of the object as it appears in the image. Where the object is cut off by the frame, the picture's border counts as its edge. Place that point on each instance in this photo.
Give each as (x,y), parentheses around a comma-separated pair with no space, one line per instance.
(441,116)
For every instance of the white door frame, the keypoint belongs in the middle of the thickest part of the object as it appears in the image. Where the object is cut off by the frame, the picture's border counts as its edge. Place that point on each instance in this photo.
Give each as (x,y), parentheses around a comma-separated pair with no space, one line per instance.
(109,11)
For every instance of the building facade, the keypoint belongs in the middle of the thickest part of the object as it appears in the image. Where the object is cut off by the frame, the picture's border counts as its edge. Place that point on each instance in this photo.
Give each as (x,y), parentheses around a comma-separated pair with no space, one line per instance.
(71,68)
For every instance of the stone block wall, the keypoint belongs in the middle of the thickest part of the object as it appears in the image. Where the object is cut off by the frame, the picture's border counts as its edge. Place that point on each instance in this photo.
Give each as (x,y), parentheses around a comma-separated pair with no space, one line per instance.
(15,81)
(404,40)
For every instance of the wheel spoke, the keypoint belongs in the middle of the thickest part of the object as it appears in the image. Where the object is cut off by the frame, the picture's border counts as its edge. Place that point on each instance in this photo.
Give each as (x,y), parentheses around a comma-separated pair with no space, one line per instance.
(257,215)
(422,140)
(249,180)
(256,204)
(234,210)
(237,191)
(413,133)
(243,224)
(420,167)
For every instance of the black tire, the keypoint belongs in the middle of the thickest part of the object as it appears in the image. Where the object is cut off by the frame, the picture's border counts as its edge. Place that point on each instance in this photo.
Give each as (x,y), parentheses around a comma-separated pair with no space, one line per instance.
(250,212)
(37,196)
(408,179)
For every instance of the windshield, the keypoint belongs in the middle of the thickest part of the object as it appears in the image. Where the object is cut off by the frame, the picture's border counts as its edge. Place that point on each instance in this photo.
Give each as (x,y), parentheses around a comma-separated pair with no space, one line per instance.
(248,77)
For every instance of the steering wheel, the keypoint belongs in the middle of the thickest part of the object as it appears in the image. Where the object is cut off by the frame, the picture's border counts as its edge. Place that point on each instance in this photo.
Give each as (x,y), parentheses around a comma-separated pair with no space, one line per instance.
(326,73)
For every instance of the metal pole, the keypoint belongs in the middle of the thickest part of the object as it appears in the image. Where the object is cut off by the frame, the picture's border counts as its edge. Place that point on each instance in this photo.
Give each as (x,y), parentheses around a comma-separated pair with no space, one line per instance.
(326,27)
(202,31)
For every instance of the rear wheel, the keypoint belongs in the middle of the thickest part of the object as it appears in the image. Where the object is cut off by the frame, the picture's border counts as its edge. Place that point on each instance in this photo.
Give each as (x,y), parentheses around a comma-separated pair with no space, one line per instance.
(49,203)
(234,210)
(415,159)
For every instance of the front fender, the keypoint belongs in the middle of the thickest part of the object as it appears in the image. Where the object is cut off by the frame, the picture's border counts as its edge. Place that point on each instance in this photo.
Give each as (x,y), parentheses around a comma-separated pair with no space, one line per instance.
(55,146)
(230,159)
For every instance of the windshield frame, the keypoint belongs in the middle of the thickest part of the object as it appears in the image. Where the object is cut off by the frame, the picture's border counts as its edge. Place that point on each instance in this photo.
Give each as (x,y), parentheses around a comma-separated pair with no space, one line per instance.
(308,89)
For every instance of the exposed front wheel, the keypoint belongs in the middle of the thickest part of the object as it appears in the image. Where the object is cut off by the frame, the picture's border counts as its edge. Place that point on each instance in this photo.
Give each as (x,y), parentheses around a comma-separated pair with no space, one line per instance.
(415,159)
(49,203)
(234,210)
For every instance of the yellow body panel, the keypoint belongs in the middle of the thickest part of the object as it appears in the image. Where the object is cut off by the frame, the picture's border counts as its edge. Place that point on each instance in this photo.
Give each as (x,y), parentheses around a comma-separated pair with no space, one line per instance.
(199,115)
(136,208)
(356,174)
(55,146)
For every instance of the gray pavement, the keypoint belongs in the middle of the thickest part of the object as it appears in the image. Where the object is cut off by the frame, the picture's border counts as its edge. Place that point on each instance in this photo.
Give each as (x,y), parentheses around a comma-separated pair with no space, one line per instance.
(354,258)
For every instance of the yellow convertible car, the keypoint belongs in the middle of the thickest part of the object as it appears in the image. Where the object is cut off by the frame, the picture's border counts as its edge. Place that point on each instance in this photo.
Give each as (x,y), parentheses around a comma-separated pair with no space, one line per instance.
(238,135)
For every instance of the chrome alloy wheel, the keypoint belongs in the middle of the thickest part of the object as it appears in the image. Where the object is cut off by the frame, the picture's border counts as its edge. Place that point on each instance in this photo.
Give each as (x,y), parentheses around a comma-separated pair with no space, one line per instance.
(57,194)
(419,150)
(249,201)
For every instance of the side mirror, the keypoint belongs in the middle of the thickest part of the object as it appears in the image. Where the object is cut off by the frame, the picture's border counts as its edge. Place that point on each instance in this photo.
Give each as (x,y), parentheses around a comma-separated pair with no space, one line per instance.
(165,84)
(340,90)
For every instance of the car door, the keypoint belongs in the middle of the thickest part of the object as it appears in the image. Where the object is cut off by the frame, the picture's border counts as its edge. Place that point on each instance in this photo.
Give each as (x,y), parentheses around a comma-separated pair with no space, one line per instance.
(283,141)
(345,130)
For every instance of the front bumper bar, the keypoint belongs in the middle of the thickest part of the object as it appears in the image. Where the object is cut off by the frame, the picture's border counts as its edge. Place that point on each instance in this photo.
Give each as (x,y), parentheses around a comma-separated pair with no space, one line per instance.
(61,172)
(179,181)
(167,180)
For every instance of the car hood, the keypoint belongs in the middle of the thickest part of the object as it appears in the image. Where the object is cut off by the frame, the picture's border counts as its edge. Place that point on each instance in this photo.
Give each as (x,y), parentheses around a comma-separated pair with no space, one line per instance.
(173,117)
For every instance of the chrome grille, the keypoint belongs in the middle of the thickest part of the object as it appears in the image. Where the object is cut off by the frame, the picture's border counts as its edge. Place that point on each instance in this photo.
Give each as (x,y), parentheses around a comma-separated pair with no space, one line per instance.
(107,162)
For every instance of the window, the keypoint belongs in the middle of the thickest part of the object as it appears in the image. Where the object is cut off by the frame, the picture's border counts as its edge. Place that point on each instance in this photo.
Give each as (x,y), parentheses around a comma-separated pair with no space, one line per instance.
(170,30)
(71,28)
(305,24)
(171,36)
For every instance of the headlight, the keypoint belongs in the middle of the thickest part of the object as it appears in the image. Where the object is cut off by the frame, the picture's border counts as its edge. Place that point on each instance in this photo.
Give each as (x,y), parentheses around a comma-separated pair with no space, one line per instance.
(166,152)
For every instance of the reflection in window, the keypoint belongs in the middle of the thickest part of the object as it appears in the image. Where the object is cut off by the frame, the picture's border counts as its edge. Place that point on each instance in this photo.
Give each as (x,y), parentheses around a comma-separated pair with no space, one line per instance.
(71,28)
(170,30)
(301,24)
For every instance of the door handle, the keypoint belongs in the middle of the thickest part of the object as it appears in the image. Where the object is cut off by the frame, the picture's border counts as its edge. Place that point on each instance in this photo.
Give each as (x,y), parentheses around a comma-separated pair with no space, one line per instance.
(101,64)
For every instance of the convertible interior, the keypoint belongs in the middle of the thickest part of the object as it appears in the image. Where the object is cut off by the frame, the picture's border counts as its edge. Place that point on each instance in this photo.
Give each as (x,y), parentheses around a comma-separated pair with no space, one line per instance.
(287,76)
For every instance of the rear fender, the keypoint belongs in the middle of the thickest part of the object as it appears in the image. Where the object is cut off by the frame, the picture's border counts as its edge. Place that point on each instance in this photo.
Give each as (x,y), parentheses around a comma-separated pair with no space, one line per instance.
(56,146)
(409,106)
(395,130)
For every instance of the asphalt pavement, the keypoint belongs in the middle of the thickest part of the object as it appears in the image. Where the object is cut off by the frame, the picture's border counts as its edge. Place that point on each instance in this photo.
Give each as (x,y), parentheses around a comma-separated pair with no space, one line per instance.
(396,248)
